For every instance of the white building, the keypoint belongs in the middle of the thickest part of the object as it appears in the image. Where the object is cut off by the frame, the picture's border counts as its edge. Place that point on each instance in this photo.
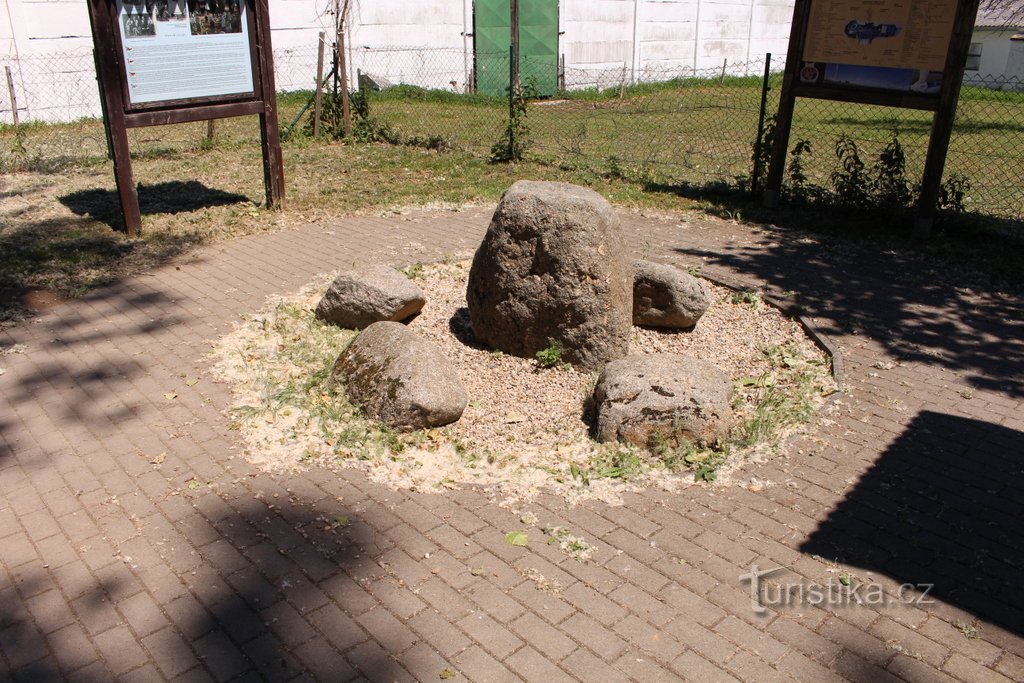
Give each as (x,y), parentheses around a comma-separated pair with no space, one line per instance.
(48,45)
(997,51)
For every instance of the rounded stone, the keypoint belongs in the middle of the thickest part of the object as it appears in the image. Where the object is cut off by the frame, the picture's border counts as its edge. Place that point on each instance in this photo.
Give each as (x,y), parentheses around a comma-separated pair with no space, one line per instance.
(367,295)
(640,399)
(667,297)
(397,377)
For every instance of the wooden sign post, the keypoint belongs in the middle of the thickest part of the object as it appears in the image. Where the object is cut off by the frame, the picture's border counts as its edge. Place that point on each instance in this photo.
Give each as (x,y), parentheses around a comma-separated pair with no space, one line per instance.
(177,61)
(910,54)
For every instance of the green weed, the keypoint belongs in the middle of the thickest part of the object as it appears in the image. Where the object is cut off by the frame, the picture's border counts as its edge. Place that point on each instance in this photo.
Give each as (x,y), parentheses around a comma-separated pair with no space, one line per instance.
(549,356)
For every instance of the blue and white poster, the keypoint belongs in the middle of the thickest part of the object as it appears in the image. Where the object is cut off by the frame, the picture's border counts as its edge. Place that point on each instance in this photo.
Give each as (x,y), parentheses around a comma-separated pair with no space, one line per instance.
(184,49)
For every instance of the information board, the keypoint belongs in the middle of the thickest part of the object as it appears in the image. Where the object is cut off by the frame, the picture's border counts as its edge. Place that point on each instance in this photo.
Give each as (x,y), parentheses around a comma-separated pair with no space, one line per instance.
(176,61)
(177,50)
(890,53)
(899,34)
(894,46)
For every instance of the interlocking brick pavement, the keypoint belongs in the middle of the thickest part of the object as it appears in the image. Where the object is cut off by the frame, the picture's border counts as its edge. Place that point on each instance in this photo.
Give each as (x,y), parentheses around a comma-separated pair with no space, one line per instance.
(135,542)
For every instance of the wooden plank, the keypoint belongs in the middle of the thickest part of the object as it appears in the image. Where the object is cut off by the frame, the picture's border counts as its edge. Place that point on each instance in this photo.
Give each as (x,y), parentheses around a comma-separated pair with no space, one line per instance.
(339,43)
(515,84)
(200,113)
(102,16)
(318,107)
(866,96)
(945,117)
(190,102)
(10,93)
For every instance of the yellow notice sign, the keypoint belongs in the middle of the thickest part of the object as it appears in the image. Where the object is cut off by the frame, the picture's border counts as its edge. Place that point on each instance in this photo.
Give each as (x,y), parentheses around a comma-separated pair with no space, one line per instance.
(902,34)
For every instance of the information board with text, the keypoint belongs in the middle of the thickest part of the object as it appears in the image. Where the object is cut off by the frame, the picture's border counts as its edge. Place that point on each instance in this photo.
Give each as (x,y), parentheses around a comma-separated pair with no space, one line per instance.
(184,49)
(896,45)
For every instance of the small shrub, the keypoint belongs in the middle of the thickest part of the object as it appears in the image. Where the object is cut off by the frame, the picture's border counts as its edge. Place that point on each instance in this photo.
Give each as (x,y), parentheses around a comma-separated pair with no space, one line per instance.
(851,180)
(889,187)
(515,140)
(550,356)
(761,156)
(749,297)
(438,143)
(797,174)
(953,193)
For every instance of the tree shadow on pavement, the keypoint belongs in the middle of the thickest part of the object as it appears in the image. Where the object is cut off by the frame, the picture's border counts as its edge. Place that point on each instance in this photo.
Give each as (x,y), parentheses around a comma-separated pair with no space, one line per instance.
(942,505)
(258,589)
(920,311)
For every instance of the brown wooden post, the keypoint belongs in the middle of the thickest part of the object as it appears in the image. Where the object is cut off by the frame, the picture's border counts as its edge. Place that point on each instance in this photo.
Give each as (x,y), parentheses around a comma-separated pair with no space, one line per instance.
(787,103)
(211,129)
(319,85)
(14,98)
(945,117)
(108,61)
(346,112)
(515,82)
(270,134)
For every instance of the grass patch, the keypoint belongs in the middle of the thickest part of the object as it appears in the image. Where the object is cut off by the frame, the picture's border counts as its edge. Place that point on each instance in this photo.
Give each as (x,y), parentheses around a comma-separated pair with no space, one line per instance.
(768,407)
(777,401)
(284,362)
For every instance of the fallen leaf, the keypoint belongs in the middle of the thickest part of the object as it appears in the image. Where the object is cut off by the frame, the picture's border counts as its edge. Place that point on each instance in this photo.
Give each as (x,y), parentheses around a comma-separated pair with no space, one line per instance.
(159,460)
(446,674)
(191,382)
(518,538)
(170,395)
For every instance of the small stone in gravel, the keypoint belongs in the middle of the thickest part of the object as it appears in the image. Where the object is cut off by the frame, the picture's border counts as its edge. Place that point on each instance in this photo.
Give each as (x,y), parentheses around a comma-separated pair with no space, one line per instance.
(367,295)
(640,399)
(666,296)
(399,378)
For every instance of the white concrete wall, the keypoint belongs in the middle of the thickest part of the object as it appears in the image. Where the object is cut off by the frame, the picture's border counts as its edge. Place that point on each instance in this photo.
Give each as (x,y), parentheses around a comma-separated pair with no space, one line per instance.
(651,39)
(995,53)
(1015,65)
(48,43)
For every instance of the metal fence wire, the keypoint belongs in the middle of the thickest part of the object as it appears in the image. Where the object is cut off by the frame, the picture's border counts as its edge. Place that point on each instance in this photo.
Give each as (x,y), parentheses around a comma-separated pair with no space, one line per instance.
(686,126)
(672,124)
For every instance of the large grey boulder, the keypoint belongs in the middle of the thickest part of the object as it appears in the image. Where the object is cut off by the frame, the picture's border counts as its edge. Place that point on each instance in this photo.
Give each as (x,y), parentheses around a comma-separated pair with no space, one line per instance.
(640,399)
(665,296)
(552,267)
(367,295)
(399,378)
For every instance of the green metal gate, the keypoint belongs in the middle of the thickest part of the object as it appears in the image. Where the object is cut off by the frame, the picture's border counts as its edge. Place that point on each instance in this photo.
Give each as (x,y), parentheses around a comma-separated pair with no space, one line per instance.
(538,45)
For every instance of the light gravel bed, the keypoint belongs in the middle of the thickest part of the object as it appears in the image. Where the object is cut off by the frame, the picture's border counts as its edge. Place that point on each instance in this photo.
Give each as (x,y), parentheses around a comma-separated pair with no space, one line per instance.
(524,429)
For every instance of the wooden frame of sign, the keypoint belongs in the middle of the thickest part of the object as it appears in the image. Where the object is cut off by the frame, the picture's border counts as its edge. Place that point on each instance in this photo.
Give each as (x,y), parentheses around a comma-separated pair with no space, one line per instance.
(804,78)
(151,72)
